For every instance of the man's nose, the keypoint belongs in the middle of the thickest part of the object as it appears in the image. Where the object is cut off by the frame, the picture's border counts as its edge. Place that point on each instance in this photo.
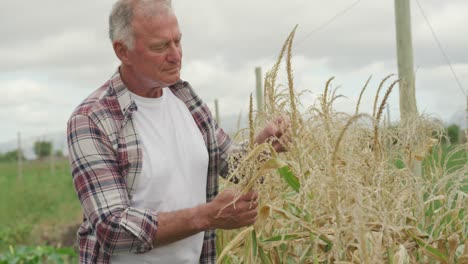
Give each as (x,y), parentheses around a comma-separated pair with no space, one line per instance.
(175,53)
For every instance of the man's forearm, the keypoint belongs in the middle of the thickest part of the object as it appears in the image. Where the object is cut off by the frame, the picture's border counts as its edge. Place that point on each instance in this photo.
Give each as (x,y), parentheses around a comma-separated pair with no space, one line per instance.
(177,225)
(222,213)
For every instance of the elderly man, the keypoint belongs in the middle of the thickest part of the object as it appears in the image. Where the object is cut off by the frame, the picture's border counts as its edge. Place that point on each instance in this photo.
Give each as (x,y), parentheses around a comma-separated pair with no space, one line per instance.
(146,152)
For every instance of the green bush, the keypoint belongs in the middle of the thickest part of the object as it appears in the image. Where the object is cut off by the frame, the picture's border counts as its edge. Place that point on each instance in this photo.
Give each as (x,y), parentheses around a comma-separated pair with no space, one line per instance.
(453,133)
(39,254)
(42,149)
(19,234)
(10,156)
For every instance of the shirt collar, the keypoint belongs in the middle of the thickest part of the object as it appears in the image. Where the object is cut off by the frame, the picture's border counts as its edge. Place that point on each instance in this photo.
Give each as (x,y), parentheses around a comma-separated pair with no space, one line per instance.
(126,102)
(127,105)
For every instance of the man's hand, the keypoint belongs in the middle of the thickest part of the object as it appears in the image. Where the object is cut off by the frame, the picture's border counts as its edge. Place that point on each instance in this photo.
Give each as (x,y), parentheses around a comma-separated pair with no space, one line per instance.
(225,214)
(276,131)
(222,213)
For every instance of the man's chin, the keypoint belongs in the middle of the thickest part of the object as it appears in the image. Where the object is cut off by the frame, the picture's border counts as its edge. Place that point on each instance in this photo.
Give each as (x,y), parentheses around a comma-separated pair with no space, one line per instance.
(173,80)
(167,83)
(169,79)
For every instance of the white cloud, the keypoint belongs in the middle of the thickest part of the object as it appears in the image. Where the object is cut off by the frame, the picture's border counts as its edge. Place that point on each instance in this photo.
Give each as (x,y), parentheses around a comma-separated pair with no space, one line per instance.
(34,108)
(21,91)
(56,52)
(439,91)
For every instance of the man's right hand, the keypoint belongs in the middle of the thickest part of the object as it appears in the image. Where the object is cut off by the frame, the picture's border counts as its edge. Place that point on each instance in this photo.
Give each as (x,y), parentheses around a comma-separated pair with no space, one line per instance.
(220,213)
(224,214)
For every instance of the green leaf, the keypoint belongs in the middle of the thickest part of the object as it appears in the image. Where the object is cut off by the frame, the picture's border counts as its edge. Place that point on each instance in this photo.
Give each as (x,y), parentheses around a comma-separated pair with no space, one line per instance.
(66,251)
(254,243)
(291,260)
(430,249)
(289,177)
(390,254)
(263,256)
(306,255)
(280,238)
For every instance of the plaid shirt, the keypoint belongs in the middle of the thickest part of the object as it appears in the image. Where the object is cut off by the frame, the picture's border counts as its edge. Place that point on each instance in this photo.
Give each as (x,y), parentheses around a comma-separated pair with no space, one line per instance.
(106,160)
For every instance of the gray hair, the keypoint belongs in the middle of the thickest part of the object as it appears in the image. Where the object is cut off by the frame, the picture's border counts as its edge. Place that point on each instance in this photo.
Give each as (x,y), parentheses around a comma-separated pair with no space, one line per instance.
(121,17)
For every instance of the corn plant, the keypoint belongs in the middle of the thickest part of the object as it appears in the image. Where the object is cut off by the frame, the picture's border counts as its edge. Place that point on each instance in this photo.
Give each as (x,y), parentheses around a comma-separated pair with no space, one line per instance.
(345,191)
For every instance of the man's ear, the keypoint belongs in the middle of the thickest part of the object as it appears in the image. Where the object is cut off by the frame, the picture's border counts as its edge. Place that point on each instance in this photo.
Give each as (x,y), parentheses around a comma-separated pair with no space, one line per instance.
(121,51)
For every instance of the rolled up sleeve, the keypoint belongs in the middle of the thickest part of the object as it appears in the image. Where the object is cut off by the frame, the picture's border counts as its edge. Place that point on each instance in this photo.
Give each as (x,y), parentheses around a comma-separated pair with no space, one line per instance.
(102,191)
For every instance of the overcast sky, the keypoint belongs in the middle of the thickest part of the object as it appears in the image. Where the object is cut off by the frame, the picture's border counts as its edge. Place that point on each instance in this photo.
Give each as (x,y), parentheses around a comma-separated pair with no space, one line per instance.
(54,53)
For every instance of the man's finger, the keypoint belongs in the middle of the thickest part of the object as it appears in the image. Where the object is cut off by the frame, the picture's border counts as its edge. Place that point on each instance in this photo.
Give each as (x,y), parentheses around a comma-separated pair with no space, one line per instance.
(250,216)
(252,195)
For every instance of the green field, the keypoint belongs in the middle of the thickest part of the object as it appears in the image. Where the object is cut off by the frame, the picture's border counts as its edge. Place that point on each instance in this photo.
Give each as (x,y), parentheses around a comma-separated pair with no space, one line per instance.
(41,208)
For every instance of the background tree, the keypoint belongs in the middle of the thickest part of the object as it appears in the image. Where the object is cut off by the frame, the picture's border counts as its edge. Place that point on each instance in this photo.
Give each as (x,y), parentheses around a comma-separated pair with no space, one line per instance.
(42,149)
(10,156)
(453,133)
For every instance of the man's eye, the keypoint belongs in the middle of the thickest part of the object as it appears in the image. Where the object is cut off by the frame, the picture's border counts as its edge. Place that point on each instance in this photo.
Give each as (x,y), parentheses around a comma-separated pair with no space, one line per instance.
(159,47)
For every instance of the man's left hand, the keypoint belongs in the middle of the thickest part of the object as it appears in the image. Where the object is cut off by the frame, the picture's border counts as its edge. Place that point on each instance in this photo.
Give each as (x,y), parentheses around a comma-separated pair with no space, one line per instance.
(276,131)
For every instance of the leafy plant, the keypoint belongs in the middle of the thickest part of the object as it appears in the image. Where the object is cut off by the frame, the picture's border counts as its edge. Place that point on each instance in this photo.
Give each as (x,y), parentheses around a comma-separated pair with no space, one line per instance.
(337,195)
(453,133)
(42,149)
(39,254)
(14,236)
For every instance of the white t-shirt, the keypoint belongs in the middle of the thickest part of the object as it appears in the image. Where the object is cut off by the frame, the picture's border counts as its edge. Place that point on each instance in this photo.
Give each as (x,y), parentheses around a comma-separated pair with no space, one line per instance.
(175,165)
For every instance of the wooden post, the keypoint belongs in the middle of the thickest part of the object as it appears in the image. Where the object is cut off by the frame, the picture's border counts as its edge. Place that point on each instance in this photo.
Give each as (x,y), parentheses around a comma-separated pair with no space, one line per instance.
(408,107)
(19,153)
(217,112)
(464,137)
(258,76)
(52,160)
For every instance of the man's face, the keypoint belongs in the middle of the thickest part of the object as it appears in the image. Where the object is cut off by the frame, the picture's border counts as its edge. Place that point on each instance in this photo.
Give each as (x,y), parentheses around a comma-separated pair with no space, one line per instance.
(156,59)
